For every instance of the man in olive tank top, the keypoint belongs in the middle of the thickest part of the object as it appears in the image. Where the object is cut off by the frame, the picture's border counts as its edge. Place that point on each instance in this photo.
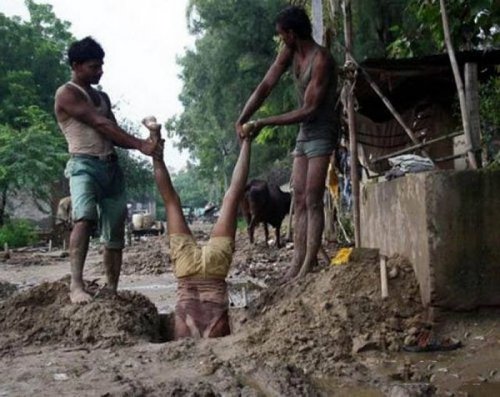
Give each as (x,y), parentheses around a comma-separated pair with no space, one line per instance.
(96,180)
(315,74)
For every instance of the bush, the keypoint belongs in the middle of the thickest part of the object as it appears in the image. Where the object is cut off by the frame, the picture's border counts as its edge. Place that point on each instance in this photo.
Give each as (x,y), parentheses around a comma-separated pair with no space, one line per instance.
(17,234)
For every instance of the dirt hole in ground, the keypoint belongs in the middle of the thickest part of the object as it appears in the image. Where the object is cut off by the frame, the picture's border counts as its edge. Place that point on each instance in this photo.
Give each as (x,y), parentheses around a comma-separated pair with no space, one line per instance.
(44,315)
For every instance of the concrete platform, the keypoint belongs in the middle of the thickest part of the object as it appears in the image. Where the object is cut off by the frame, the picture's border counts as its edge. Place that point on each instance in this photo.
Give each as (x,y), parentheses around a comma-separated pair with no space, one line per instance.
(447,223)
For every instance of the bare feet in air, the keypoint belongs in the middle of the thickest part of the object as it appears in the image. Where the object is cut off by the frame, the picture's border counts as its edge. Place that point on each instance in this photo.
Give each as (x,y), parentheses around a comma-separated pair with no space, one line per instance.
(152,125)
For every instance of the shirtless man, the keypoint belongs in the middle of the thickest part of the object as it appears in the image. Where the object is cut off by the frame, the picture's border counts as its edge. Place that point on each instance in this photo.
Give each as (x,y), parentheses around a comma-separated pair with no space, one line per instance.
(96,180)
(315,74)
(202,300)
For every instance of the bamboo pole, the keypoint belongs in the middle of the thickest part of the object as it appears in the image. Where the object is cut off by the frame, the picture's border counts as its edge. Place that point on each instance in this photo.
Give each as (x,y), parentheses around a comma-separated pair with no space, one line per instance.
(289,232)
(384,287)
(420,145)
(460,86)
(317,23)
(353,145)
(391,108)
(472,99)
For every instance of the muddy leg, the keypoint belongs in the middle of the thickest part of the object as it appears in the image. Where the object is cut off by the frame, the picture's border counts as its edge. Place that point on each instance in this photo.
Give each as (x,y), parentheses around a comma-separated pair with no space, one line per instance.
(299,177)
(112,259)
(251,230)
(78,247)
(315,215)
(277,231)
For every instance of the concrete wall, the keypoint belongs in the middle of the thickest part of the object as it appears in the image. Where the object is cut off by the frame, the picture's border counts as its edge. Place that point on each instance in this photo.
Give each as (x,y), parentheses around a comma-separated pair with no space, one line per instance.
(448,224)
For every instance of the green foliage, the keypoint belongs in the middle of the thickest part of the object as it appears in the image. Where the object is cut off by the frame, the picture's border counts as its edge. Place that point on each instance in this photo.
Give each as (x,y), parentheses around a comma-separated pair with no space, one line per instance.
(138,172)
(233,50)
(32,150)
(192,189)
(31,157)
(490,117)
(137,169)
(372,21)
(420,31)
(17,233)
(32,64)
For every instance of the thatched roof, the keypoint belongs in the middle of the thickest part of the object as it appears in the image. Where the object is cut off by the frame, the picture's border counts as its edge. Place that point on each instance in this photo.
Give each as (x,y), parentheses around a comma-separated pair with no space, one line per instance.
(409,81)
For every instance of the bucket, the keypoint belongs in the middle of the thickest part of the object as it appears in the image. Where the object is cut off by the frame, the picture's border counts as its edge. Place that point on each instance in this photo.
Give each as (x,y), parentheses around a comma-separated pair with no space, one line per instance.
(137,221)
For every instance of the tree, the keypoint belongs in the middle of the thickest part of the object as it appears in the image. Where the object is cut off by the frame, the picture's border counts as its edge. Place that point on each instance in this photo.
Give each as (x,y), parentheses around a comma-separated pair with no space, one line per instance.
(31,157)
(32,150)
(473,24)
(232,53)
(137,169)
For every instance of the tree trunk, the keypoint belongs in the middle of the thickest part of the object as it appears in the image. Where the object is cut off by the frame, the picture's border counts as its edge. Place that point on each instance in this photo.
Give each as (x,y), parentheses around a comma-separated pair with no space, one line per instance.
(317,21)
(353,144)
(460,87)
(472,99)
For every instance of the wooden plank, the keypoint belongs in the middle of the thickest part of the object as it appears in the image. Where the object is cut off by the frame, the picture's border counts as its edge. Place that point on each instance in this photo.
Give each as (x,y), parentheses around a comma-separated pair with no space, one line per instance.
(460,86)
(423,144)
(472,99)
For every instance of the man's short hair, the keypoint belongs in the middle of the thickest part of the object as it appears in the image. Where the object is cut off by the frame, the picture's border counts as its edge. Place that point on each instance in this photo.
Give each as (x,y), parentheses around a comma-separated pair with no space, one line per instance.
(295,18)
(85,50)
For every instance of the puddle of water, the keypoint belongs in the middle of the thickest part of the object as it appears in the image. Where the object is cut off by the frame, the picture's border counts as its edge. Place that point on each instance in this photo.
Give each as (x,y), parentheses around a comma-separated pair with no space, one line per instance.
(481,389)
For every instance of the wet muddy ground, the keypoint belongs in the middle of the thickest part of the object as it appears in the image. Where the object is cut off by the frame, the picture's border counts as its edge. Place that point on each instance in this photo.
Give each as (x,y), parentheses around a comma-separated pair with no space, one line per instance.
(329,334)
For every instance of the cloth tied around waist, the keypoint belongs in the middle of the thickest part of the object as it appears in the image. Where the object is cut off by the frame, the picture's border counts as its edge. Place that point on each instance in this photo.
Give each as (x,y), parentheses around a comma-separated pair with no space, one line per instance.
(201,305)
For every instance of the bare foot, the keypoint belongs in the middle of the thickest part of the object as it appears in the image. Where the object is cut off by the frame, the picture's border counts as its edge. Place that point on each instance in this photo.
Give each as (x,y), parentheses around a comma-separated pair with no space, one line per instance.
(289,276)
(106,292)
(152,125)
(79,296)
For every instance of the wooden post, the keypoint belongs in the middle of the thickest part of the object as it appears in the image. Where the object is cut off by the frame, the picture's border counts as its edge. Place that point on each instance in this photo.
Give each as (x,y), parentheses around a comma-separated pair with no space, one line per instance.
(317,21)
(353,144)
(472,99)
(391,109)
(384,288)
(460,87)
(290,218)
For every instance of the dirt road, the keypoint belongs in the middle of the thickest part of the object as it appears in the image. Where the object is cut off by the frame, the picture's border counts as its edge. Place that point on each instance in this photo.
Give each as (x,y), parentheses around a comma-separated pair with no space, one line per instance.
(329,334)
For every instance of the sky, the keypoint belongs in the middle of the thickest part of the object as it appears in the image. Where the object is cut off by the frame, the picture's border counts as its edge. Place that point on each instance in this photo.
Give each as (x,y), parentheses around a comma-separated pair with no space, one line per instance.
(142,39)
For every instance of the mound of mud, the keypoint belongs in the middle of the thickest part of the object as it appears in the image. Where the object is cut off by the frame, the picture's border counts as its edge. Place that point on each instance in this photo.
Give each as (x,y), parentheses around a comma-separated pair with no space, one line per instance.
(334,315)
(266,263)
(44,315)
(150,257)
(30,259)
(6,289)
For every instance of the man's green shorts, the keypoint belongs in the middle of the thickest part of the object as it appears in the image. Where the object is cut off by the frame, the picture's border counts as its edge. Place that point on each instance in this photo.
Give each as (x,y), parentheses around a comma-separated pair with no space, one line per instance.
(314,148)
(98,195)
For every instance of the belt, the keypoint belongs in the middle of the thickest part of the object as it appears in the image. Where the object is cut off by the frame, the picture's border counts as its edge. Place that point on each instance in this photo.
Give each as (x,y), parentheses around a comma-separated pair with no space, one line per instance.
(105,157)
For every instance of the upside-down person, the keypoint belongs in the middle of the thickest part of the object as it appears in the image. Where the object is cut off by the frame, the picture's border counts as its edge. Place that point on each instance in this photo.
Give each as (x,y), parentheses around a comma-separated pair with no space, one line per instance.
(202,300)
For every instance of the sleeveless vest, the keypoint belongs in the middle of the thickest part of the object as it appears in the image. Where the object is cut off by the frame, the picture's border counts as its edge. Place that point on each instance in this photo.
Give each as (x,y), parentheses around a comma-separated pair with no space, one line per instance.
(82,138)
(324,123)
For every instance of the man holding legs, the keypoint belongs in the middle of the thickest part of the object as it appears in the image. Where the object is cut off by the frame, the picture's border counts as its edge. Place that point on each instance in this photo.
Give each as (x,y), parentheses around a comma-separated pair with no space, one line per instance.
(315,75)
(96,180)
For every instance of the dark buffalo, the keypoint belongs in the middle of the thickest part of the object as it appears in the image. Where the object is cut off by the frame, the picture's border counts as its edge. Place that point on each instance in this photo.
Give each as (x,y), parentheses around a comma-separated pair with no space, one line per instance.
(265,203)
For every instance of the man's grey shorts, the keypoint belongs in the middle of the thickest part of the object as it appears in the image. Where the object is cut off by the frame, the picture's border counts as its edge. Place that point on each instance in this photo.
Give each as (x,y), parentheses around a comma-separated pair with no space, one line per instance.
(98,194)
(314,148)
